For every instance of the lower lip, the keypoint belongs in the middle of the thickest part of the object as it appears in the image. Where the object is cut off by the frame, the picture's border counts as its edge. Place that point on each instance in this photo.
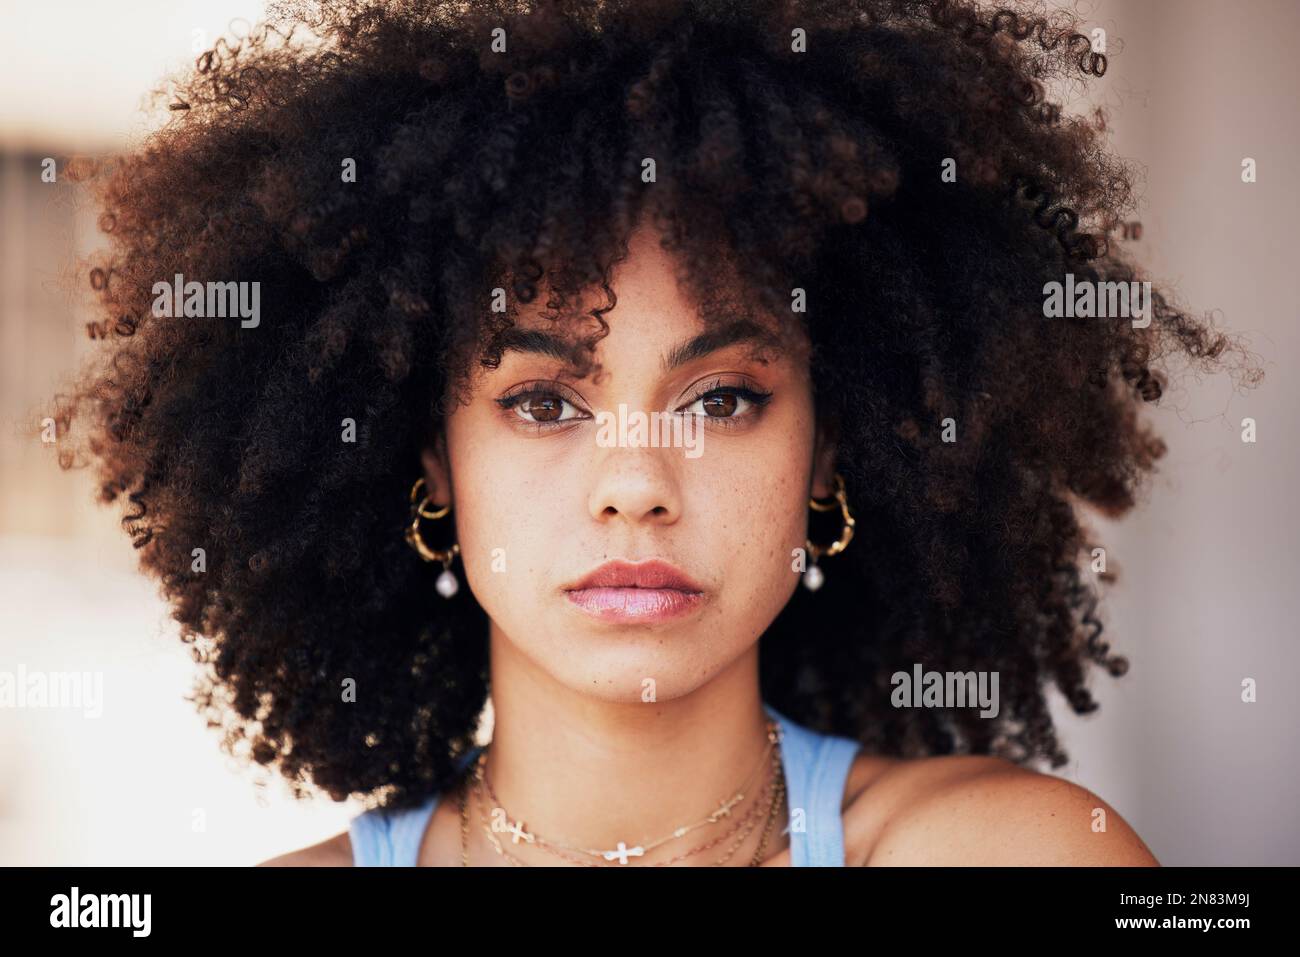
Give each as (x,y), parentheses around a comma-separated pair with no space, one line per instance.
(635,605)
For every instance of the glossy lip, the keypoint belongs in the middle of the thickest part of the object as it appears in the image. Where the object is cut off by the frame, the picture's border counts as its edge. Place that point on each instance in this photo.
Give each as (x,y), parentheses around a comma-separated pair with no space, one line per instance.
(636,593)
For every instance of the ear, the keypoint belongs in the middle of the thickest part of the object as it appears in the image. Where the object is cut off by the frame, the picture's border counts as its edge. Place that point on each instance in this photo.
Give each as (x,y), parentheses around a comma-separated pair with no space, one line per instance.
(823,475)
(437,471)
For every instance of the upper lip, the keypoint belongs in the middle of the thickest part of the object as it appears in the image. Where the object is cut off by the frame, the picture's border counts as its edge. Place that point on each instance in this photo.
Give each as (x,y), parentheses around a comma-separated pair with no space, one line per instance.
(648,574)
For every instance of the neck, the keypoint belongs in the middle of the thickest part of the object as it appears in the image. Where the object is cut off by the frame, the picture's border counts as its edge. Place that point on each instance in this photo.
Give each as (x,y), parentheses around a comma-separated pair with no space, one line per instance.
(590,772)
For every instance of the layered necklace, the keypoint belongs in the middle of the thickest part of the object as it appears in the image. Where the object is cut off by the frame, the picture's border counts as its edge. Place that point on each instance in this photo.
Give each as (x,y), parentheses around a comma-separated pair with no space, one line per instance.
(766,806)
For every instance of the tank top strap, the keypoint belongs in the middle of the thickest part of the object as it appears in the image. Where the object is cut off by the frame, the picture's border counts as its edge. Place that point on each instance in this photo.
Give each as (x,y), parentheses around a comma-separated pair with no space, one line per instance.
(368,834)
(816,769)
(392,838)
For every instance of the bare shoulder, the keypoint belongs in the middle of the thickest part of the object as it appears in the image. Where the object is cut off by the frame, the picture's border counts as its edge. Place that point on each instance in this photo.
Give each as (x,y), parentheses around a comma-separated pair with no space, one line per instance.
(333,852)
(977,810)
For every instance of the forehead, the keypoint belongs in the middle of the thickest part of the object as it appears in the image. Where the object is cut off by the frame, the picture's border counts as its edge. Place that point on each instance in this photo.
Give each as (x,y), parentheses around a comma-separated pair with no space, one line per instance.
(652,315)
(645,280)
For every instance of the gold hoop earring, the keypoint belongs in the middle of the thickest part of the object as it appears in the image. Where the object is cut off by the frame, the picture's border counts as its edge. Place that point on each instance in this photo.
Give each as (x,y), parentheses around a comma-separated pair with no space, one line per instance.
(447,583)
(813,576)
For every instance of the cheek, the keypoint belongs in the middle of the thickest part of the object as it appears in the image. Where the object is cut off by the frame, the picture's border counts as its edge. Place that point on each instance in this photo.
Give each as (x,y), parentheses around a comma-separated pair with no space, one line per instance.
(507,517)
(774,527)
(757,515)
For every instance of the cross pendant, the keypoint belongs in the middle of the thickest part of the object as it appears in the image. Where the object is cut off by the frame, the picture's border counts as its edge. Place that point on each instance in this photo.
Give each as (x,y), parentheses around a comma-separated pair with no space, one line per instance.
(724,809)
(517,831)
(623,852)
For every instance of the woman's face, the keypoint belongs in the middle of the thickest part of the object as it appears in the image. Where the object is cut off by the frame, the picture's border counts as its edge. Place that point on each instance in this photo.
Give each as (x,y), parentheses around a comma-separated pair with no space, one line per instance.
(546,489)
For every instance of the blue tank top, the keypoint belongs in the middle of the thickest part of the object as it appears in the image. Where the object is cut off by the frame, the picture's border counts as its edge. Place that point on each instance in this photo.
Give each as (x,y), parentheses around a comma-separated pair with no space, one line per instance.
(816,769)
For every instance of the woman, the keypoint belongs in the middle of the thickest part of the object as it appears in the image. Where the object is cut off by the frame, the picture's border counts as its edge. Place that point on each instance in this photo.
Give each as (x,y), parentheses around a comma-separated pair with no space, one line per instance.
(681,373)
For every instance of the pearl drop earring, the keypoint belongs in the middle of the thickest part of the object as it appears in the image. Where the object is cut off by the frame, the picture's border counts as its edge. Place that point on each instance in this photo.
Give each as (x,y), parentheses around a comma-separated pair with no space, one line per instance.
(447,584)
(813,576)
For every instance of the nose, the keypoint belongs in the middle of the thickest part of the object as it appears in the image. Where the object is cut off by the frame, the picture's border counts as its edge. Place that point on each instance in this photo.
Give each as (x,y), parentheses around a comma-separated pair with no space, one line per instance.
(637,484)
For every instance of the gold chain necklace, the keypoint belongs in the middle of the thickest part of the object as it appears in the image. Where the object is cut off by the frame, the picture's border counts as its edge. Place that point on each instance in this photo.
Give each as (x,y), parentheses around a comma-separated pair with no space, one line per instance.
(777,789)
(743,825)
(622,851)
(477,783)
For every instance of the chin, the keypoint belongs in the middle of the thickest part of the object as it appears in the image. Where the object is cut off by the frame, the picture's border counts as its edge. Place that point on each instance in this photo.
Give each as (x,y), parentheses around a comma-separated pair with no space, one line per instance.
(618,665)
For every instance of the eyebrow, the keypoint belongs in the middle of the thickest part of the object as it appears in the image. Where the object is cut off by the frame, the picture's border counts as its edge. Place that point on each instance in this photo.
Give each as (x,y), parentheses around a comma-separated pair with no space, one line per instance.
(538,342)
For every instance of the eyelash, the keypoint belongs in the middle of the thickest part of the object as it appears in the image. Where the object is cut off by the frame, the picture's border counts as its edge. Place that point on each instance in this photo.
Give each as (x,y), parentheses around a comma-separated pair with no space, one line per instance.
(510,402)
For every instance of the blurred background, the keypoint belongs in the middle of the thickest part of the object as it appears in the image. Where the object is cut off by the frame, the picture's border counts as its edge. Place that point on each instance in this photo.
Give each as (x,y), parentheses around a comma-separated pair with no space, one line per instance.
(1209,565)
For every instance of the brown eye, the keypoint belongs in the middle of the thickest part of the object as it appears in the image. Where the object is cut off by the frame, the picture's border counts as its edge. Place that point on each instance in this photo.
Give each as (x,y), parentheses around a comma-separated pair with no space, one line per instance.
(548,408)
(541,408)
(536,405)
(720,404)
(727,403)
